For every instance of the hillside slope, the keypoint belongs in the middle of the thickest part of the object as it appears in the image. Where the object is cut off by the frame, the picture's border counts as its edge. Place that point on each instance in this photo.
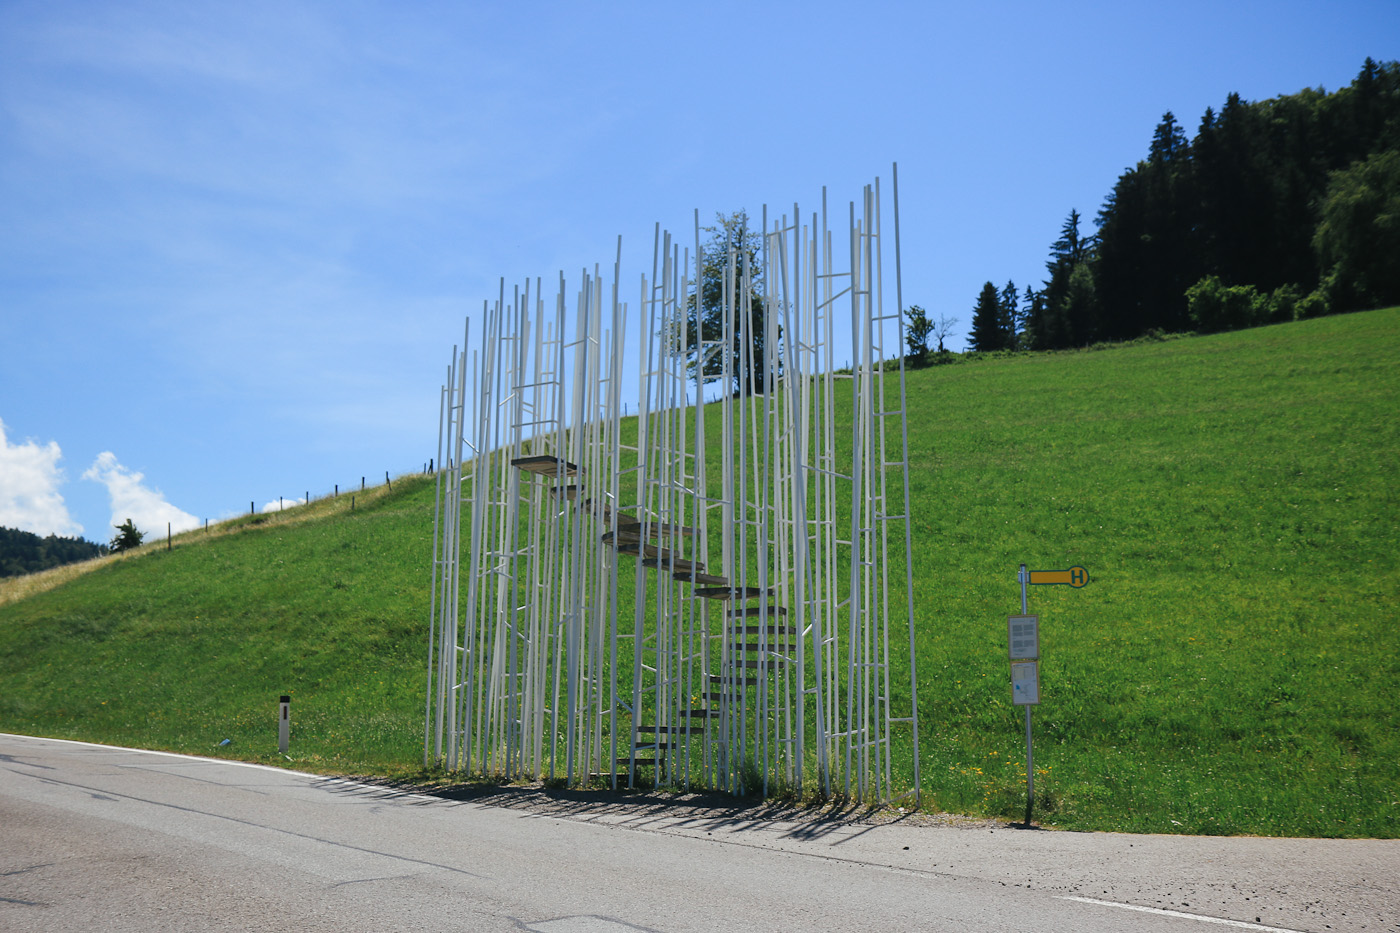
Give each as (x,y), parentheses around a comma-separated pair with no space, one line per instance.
(1228,669)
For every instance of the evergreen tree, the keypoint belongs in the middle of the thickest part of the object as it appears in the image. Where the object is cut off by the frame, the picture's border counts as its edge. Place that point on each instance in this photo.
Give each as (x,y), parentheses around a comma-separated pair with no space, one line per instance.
(1067,317)
(1032,308)
(128,536)
(1009,301)
(987,333)
(1168,142)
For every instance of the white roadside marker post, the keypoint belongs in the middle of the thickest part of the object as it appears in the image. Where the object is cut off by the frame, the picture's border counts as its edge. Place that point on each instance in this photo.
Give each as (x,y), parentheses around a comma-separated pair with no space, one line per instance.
(284,723)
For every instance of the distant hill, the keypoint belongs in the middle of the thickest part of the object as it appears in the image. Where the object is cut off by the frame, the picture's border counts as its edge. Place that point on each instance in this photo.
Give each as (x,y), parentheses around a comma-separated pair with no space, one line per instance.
(24,552)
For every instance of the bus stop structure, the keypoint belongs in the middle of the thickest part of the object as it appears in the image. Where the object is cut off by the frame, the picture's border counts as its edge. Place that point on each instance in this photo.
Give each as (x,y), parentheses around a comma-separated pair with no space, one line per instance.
(712,591)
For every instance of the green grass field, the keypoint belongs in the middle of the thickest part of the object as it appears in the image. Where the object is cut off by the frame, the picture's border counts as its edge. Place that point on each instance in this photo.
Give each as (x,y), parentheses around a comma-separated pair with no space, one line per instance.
(1230,668)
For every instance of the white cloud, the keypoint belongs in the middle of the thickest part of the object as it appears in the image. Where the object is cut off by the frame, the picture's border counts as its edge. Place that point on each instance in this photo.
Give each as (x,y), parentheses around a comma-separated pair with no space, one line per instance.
(277,505)
(132,499)
(29,481)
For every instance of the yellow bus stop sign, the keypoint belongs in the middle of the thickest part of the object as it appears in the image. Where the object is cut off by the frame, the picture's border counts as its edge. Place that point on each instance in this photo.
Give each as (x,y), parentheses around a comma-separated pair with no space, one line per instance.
(1074,576)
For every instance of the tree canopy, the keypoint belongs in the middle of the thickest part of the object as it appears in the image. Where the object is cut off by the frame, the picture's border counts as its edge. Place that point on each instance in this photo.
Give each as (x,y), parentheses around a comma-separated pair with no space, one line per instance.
(128,536)
(731,270)
(1294,196)
(23,552)
(987,331)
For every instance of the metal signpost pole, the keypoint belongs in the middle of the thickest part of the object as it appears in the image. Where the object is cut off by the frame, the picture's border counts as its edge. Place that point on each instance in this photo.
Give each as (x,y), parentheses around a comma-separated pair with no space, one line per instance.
(1023,643)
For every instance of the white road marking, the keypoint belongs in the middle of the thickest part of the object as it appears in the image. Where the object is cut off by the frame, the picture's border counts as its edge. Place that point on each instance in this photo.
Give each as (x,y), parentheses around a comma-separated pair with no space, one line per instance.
(275,769)
(1177,913)
(150,751)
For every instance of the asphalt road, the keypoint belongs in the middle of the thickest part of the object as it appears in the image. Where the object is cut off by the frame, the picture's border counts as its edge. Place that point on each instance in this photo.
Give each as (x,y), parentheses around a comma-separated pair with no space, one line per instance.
(110,839)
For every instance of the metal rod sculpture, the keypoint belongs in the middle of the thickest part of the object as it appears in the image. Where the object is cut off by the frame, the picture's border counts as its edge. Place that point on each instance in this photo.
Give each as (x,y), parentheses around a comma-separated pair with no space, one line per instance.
(703,594)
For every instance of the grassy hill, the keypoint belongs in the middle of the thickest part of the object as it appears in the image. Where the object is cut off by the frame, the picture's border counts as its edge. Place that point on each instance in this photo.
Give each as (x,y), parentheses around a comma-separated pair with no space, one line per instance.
(1230,669)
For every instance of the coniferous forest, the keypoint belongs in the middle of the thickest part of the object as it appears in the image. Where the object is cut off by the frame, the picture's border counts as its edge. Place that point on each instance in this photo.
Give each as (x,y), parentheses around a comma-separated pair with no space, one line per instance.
(1274,210)
(24,552)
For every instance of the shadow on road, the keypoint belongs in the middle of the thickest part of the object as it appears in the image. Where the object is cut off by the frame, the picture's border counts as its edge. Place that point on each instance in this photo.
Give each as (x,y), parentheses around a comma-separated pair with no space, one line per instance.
(645,807)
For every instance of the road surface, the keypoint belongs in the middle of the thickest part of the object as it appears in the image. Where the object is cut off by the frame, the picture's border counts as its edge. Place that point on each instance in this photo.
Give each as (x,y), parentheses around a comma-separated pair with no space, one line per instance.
(101,838)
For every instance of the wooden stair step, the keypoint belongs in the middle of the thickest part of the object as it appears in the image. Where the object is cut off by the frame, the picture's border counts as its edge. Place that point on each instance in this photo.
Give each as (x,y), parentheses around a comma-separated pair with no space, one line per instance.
(637,549)
(620,537)
(696,576)
(545,465)
(756,611)
(678,565)
(657,530)
(729,592)
(641,762)
(746,681)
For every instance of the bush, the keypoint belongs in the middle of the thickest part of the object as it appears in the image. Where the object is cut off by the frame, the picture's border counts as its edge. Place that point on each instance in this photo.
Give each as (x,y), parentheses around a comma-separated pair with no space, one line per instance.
(1314,305)
(1214,306)
(1283,304)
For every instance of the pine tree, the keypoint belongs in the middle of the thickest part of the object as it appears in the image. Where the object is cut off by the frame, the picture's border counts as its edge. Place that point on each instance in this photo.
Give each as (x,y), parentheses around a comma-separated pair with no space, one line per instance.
(128,536)
(1010,313)
(1032,309)
(987,333)
(1068,316)
(1168,142)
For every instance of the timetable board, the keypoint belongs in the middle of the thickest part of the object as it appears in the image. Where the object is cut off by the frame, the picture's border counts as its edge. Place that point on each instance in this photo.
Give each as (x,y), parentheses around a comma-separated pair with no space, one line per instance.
(1023,637)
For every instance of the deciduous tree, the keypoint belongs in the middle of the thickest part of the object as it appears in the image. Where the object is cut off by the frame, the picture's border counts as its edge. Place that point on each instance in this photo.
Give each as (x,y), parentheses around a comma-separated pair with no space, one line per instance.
(917,330)
(731,272)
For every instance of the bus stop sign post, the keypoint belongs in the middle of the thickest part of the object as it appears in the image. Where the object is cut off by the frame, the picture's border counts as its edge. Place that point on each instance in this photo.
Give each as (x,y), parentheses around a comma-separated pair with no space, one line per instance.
(1023,649)
(1023,692)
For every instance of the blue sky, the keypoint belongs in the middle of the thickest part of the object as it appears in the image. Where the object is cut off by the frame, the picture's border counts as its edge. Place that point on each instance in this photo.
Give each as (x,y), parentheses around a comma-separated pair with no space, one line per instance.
(237,241)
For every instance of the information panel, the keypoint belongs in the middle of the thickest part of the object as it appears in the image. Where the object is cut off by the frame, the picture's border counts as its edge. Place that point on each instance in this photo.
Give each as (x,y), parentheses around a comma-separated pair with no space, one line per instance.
(1023,637)
(1025,683)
